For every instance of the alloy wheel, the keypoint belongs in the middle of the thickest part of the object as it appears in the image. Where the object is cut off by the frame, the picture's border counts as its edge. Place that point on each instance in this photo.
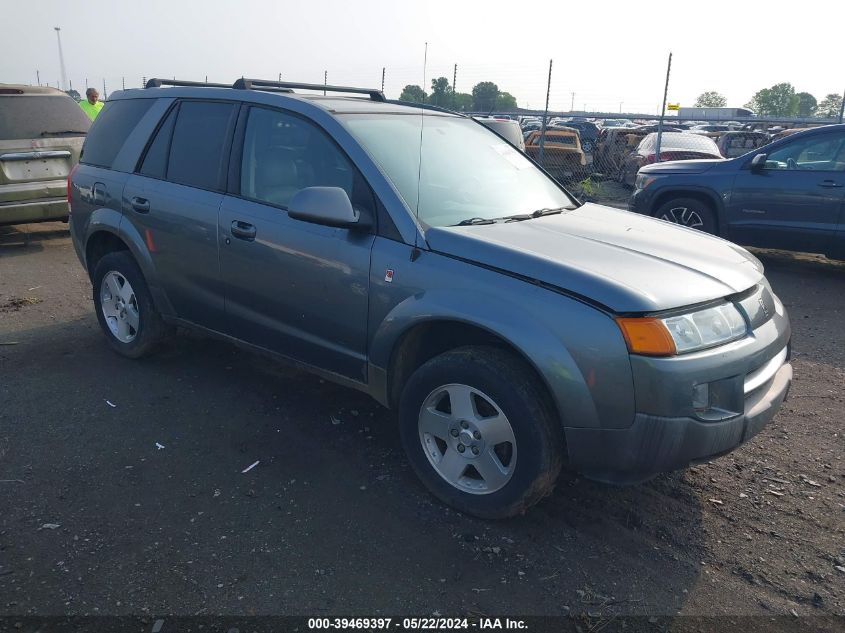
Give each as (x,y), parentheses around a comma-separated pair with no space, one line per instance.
(119,306)
(683,216)
(467,438)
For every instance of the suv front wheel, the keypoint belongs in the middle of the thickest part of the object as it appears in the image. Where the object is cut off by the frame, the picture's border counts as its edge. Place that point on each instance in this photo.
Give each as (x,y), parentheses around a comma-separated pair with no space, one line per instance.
(689,212)
(125,307)
(479,433)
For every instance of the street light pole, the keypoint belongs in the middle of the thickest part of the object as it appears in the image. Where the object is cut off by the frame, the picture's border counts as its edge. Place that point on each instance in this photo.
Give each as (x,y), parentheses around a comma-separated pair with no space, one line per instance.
(61,58)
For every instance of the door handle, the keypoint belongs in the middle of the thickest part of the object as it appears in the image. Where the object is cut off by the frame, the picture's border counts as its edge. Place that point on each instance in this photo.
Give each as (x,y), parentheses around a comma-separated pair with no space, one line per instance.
(141,205)
(243,230)
(829,184)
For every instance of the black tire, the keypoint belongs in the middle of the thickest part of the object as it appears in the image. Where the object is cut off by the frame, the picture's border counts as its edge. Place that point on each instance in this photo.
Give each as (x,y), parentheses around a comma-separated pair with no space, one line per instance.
(587,146)
(514,387)
(151,328)
(690,212)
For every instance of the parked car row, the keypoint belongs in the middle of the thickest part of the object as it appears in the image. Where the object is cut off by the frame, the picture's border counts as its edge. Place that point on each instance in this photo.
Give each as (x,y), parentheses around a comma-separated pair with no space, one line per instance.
(621,152)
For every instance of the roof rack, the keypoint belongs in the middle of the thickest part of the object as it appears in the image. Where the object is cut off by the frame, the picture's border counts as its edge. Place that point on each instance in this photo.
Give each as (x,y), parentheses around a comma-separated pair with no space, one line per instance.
(266,84)
(260,84)
(158,83)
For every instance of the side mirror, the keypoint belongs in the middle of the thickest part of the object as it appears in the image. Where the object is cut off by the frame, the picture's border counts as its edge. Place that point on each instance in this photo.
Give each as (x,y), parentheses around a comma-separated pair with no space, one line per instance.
(758,163)
(329,206)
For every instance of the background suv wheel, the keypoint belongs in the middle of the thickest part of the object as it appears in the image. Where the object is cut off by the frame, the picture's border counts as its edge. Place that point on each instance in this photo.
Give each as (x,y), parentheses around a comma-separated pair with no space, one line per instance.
(479,433)
(689,212)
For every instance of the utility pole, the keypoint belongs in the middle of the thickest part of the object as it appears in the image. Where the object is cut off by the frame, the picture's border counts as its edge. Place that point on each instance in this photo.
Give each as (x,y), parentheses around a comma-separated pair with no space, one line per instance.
(105,94)
(123,83)
(382,78)
(325,80)
(454,89)
(545,115)
(572,105)
(61,58)
(38,77)
(280,78)
(662,111)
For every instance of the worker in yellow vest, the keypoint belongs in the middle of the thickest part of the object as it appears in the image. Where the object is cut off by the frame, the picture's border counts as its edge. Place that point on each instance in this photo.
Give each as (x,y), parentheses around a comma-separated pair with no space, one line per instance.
(92,105)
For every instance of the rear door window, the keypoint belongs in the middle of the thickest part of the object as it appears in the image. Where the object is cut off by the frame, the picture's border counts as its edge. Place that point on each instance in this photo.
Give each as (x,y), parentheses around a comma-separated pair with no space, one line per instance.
(155,160)
(31,116)
(110,130)
(199,138)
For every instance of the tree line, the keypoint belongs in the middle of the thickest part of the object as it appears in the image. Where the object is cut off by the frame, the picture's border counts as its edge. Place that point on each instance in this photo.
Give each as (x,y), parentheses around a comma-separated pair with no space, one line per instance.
(485,97)
(780,100)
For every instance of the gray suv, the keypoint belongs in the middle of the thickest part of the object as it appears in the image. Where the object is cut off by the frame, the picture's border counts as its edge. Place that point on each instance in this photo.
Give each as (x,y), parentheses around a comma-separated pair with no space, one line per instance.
(413,254)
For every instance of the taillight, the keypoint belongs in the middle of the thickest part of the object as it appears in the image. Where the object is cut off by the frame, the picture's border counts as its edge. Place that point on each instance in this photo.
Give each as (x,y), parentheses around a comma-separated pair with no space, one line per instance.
(649,159)
(69,177)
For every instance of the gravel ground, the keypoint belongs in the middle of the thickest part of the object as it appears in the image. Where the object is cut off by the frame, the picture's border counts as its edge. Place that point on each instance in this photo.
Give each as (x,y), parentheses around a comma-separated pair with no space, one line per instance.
(122,488)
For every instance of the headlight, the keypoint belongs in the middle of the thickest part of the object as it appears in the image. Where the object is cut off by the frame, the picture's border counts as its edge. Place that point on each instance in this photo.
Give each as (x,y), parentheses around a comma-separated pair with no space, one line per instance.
(644,180)
(678,334)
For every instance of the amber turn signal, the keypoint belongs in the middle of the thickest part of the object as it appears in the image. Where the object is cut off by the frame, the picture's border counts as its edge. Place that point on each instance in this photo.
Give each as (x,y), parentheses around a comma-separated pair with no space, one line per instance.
(646,335)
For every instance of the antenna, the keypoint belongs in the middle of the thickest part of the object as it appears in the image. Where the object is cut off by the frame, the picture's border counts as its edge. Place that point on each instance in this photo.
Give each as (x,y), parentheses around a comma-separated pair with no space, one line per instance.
(61,58)
(416,252)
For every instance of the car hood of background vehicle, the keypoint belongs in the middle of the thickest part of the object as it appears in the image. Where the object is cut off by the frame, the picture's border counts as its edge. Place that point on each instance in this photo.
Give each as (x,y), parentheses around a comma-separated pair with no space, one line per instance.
(623,261)
(681,166)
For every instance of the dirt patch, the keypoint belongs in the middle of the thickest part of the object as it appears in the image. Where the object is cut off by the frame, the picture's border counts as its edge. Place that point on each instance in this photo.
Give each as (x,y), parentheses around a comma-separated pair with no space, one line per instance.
(13,304)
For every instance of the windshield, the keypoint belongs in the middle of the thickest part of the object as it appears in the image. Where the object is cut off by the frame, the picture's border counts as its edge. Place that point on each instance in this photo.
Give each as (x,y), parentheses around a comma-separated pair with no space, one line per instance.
(27,117)
(466,170)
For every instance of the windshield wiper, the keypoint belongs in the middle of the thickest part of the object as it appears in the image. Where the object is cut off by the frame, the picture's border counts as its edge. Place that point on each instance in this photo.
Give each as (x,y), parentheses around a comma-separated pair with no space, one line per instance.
(470,221)
(64,132)
(539,213)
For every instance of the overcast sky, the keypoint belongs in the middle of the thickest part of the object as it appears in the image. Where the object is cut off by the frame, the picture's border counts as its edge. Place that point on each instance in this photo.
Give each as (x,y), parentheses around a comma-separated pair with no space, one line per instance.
(610,54)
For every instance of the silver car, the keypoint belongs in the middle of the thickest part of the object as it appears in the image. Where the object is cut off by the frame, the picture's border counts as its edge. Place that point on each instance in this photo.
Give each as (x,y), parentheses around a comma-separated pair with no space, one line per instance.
(41,135)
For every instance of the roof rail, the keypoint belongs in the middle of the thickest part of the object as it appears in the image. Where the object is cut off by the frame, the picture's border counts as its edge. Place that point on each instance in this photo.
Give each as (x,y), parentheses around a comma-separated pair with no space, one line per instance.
(426,106)
(158,83)
(260,84)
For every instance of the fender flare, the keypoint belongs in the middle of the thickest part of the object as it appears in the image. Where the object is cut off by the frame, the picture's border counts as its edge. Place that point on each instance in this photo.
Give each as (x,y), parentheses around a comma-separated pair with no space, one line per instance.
(110,221)
(545,352)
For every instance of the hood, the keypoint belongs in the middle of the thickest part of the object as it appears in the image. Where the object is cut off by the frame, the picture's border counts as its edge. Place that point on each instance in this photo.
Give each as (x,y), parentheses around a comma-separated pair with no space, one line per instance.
(623,261)
(681,166)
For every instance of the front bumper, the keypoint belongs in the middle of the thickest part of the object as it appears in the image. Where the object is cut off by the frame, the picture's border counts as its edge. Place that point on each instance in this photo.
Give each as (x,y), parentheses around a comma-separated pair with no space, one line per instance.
(640,202)
(655,444)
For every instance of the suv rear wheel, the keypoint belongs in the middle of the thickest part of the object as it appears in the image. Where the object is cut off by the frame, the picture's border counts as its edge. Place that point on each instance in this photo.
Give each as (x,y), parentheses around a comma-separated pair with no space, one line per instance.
(478,432)
(125,307)
(689,212)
